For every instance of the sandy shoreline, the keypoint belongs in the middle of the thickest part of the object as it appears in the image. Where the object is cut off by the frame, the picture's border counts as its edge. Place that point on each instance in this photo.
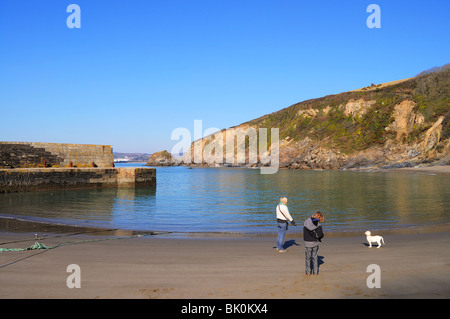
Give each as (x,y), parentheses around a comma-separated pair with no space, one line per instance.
(429,170)
(414,264)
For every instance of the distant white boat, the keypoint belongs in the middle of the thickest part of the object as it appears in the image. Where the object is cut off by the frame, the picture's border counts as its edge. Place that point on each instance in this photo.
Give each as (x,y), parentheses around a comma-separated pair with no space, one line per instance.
(121,160)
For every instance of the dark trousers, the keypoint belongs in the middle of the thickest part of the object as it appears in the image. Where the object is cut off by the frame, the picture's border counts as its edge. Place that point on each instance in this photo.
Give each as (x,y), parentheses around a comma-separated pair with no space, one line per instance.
(311,256)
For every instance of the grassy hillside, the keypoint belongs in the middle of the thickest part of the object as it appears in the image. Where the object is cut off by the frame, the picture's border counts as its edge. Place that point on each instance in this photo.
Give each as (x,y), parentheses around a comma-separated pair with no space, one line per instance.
(327,119)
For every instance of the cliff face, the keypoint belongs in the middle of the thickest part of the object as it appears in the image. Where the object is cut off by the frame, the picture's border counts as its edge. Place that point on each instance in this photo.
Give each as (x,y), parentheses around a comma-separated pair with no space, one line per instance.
(402,123)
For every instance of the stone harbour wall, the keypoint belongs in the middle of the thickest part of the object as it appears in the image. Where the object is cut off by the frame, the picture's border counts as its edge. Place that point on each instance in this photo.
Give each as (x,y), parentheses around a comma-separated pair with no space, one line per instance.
(33,154)
(35,179)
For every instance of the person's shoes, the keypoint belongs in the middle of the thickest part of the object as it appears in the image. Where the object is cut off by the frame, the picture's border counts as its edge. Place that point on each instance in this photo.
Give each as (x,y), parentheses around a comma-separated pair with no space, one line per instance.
(282,250)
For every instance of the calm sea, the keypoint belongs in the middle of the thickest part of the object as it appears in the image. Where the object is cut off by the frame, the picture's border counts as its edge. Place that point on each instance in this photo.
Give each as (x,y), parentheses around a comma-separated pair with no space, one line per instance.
(235,200)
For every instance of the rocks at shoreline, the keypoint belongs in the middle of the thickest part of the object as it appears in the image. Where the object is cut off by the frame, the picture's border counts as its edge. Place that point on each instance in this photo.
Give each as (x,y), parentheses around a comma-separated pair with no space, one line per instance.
(162,158)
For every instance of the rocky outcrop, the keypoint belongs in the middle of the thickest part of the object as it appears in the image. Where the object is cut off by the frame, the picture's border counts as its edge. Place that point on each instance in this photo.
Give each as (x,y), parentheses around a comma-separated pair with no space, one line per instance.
(162,158)
(357,107)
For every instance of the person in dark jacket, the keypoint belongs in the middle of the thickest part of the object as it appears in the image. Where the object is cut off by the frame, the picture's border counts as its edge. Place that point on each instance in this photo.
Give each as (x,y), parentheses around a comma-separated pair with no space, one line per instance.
(312,237)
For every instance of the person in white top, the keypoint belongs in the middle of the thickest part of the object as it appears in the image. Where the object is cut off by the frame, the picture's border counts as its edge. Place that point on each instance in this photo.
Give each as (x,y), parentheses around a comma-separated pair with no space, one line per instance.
(283,218)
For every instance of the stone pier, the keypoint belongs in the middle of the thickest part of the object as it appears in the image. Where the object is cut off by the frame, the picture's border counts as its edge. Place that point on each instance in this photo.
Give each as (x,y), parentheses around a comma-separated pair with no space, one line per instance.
(35,179)
(32,166)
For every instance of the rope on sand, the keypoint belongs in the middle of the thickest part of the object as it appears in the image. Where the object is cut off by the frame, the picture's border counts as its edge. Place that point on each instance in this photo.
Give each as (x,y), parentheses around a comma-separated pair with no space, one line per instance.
(43,248)
(38,246)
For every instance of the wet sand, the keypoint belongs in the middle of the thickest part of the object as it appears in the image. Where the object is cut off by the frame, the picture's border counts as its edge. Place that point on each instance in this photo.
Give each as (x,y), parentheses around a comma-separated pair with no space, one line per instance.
(413,264)
(428,170)
(434,170)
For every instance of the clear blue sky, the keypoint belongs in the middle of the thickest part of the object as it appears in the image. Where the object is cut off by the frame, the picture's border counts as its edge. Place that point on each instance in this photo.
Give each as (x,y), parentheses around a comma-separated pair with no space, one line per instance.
(136,70)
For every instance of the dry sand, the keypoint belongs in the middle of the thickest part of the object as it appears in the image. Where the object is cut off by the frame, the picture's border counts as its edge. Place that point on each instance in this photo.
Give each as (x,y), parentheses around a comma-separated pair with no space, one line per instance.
(414,264)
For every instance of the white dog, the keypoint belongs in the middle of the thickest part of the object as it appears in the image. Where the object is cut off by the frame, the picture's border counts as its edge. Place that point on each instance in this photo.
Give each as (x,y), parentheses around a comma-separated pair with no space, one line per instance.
(372,239)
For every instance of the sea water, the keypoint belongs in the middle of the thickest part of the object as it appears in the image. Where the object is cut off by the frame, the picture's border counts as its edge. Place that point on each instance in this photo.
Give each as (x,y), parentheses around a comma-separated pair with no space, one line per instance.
(234,200)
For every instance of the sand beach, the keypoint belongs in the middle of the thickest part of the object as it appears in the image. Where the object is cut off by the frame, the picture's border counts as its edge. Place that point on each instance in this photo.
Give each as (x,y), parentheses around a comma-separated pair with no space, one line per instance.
(414,263)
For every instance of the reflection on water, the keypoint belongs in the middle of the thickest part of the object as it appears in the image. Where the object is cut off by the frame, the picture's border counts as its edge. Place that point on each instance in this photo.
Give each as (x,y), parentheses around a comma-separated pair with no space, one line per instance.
(242,200)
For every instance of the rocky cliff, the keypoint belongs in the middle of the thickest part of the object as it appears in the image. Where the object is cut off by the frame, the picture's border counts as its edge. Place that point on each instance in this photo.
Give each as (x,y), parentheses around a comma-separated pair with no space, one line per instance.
(396,124)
